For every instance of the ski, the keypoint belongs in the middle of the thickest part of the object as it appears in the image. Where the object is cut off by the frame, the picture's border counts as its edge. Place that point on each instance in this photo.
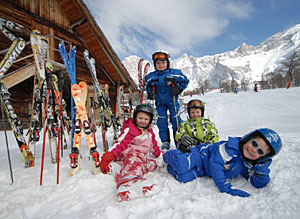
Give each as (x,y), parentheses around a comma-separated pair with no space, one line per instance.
(11,55)
(15,123)
(119,95)
(143,86)
(79,92)
(140,77)
(103,101)
(39,47)
(69,62)
(50,123)
(16,126)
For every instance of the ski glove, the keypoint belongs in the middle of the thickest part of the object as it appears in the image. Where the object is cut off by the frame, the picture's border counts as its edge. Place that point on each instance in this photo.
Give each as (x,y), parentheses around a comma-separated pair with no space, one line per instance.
(260,177)
(175,91)
(106,159)
(187,140)
(234,192)
(151,96)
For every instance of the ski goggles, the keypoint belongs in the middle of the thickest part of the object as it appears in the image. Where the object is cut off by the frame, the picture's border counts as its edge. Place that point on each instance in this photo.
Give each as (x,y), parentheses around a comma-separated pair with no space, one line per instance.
(258,148)
(195,103)
(160,55)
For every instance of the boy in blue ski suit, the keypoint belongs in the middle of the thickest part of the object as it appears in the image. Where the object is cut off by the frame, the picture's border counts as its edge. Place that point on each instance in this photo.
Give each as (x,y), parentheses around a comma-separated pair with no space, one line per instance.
(165,85)
(249,156)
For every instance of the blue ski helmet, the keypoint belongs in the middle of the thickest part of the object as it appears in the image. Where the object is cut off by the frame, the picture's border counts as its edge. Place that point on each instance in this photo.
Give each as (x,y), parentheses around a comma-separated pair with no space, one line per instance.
(270,136)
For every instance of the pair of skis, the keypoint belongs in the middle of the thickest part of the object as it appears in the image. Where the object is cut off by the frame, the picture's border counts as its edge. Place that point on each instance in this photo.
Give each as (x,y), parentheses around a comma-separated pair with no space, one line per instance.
(39,45)
(79,114)
(50,125)
(79,93)
(17,46)
(103,103)
(141,78)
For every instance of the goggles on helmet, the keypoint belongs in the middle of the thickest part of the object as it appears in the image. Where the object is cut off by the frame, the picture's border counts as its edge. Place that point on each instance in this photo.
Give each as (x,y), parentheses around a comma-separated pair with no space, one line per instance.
(160,55)
(195,103)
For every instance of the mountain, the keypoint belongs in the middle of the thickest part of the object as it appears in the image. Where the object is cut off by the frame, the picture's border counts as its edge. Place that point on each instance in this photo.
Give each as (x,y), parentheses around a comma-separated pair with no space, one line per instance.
(245,63)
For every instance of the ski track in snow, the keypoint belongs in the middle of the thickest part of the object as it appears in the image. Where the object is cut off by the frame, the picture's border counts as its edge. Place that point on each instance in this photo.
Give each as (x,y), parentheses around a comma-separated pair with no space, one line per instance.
(94,196)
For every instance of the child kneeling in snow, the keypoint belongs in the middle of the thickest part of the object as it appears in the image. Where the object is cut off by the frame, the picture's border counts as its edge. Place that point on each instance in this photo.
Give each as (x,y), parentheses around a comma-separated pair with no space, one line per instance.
(250,155)
(135,150)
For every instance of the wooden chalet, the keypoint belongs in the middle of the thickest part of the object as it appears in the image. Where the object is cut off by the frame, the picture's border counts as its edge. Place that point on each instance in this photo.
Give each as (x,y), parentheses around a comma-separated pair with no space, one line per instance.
(67,20)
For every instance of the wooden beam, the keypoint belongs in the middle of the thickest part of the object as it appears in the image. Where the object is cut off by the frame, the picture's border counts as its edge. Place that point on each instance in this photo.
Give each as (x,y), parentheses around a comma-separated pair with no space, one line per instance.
(18,76)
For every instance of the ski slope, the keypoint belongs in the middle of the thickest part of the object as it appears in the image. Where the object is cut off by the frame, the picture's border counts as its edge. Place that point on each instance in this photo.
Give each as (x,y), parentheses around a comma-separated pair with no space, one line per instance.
(94,196)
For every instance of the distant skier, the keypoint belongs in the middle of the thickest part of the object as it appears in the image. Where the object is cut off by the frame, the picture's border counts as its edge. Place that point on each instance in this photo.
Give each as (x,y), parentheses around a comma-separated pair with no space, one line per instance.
(250,156)
(235,91)
(168,83)
(255,87)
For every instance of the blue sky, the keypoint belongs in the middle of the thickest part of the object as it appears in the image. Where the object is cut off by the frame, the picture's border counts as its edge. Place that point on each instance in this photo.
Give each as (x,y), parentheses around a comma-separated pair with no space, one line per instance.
(195,27)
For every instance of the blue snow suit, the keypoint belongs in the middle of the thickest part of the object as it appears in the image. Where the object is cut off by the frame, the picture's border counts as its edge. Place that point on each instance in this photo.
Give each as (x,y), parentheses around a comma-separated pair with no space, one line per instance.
(164,100)
(222,160)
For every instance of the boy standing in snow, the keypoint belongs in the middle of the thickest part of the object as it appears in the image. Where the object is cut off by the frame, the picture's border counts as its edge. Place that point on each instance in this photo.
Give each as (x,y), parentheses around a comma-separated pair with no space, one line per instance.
(135,150)
(250,155)
(196,129)
(165,85)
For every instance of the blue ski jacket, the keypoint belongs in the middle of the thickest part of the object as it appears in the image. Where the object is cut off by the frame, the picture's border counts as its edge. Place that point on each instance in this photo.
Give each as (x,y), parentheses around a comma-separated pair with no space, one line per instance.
(221,161)
(162,86)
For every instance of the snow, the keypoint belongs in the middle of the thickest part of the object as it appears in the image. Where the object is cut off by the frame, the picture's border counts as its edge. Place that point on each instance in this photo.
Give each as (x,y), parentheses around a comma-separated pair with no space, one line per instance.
(94,196)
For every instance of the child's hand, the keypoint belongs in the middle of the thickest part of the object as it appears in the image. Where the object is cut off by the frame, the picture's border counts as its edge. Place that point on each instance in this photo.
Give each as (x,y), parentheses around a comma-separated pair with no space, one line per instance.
(151,96)
(260,177)
(175,91)
(238,192)
(262,168)
(160,160)
(186,142)
(235,192)
(106,159)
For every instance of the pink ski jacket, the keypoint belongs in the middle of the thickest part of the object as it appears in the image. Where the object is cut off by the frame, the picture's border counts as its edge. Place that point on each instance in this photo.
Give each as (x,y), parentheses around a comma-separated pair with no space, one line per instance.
(133,138)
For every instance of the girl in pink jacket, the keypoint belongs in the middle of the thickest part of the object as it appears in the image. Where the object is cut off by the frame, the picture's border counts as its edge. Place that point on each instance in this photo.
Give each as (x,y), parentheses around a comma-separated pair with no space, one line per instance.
(136,151)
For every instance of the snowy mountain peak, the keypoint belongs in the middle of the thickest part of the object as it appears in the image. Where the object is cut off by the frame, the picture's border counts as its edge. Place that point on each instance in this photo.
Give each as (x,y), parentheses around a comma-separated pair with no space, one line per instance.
(245,63)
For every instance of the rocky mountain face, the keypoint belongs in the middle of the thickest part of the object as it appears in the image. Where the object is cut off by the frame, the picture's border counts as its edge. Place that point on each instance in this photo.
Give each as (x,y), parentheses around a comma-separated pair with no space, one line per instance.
(246,63)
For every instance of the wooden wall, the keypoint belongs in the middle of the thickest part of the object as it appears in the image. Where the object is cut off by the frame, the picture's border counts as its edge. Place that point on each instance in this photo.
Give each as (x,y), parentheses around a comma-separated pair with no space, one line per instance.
(47,17)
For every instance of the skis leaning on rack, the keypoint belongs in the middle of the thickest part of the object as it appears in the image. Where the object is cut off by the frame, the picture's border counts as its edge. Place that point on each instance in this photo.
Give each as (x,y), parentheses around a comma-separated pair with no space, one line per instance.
(17,46)
(79,93)
(69,61)
(103,102)
(50,123)
(39,45)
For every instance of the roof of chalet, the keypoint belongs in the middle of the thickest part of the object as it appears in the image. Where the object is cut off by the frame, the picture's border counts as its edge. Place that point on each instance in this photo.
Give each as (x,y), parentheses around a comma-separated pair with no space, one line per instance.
(81,30)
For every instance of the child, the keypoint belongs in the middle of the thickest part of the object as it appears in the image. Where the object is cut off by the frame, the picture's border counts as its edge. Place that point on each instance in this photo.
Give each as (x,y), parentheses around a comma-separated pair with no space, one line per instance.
(132,151)
(196,129)
(250,156)
(165,85)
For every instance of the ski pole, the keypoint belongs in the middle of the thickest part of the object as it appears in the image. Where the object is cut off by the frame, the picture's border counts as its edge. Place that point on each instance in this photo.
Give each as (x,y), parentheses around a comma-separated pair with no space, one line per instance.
(173,85)
(93,117)
(7,148)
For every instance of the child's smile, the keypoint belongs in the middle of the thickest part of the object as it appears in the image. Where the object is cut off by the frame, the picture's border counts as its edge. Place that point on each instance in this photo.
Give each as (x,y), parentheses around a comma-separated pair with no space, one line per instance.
(255,148)
(142,119)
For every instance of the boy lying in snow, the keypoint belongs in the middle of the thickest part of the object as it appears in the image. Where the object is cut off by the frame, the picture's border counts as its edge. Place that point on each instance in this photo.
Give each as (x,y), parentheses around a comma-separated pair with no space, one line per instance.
(250,156)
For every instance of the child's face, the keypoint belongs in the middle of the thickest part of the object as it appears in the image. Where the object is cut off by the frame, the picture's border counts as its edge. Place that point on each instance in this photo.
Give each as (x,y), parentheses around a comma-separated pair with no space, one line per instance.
(195,113)
(142,119)
(255,148)
(161,65)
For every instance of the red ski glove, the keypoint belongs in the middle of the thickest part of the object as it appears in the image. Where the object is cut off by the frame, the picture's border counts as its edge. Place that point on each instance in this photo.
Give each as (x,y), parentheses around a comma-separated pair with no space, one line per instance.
(106,158)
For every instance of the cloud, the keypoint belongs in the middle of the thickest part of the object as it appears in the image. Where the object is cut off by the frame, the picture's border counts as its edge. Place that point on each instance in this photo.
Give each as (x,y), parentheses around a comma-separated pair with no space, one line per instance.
(142,27)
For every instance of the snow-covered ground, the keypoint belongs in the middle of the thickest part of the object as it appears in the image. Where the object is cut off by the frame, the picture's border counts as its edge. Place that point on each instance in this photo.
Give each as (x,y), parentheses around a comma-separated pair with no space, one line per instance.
(94,196)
